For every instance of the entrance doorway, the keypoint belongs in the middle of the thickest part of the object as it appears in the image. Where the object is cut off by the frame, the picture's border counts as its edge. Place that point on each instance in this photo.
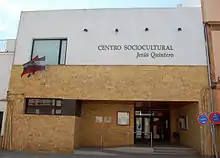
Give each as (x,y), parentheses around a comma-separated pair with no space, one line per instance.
(151,123)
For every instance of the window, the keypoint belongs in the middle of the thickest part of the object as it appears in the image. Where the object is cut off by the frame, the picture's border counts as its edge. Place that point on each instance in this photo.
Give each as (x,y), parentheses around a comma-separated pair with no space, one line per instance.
(49,106)
(183,122)
(44,106)
(53,49)
(1,120)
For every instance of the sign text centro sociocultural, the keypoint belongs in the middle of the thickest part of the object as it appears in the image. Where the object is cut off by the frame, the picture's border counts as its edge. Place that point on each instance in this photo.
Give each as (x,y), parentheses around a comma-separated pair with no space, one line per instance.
(153,51)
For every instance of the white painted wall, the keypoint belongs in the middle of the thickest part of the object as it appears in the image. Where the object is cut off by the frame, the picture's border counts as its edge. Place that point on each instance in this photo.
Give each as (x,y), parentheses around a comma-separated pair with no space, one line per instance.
(10,45)
(6,60)
(188,45)
(7,45)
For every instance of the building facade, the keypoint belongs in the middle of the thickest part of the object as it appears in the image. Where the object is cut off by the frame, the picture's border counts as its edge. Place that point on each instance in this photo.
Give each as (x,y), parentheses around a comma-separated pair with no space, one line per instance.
(114,77)
(211,17)
(6,60)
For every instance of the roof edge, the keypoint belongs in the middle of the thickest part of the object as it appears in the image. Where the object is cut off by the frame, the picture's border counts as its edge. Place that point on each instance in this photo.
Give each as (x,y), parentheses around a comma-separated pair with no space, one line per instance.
(135,8)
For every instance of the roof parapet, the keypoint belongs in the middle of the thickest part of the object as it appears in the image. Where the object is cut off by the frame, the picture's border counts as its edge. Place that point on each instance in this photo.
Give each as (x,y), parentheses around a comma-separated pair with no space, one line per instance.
(7,45)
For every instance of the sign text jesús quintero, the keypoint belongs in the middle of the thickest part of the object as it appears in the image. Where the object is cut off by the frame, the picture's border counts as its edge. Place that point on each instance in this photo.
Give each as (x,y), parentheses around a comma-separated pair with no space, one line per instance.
(153,51)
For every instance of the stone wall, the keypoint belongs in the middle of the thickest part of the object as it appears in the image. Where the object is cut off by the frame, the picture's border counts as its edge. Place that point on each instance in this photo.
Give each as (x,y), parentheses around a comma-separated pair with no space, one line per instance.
(106,134)
(115,84)
(43,133)
(157,83)
(37,132)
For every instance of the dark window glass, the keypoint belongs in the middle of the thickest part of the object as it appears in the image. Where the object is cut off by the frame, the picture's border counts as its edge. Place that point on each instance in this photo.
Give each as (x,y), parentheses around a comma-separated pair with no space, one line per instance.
(1,119)
(44,106)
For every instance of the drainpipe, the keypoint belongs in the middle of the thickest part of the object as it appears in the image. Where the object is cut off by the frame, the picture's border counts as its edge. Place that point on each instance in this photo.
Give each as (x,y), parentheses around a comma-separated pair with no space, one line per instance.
(209,67)
(210,87)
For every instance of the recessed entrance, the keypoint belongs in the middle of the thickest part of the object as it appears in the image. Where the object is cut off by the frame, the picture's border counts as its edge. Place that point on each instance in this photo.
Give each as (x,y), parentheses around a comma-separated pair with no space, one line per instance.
(152,122)
(151,125)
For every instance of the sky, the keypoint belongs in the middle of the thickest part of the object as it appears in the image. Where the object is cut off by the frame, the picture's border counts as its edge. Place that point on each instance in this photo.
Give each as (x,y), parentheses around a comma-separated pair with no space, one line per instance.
(10,9)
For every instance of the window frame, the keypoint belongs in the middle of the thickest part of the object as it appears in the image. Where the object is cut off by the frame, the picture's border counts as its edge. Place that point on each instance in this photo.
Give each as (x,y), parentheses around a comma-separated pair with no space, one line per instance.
(42,106)
(2,122)
(49,39)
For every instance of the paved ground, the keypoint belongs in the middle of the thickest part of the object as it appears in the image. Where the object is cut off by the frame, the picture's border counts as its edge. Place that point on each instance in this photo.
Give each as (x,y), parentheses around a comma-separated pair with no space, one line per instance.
(92,154)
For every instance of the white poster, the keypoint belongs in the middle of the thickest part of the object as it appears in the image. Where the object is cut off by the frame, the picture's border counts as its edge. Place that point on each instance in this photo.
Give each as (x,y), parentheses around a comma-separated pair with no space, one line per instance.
(123,118)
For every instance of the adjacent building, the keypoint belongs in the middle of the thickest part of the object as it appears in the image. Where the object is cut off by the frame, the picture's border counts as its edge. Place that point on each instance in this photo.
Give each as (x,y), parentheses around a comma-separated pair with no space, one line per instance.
(6,59)
(114,77)
(211,17)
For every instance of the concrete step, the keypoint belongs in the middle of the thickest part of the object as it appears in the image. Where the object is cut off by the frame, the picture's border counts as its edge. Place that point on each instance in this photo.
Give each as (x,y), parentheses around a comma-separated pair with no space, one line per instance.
(174,150)
(137,150)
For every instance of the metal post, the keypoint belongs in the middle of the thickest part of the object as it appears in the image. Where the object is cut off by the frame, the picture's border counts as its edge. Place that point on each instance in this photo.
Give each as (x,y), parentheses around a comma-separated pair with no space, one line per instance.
(128,138)
(210,89)
(151,139)
(205,141)
(101,142)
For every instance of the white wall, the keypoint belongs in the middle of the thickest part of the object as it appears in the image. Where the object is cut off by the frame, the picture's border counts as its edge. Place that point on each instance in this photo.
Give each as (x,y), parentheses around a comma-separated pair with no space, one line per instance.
(6,60)
(188,45)
(7,45)
(10,45)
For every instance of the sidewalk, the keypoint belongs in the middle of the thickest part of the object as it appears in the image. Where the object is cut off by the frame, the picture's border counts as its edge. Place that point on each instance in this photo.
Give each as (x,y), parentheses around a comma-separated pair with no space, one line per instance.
(88,154)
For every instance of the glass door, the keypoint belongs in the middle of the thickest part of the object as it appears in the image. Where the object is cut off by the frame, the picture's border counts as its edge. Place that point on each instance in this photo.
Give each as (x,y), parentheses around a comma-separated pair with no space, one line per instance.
(142,128)
(155,122)
(139,127)
(157,128)
(147,130)
(160,128)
